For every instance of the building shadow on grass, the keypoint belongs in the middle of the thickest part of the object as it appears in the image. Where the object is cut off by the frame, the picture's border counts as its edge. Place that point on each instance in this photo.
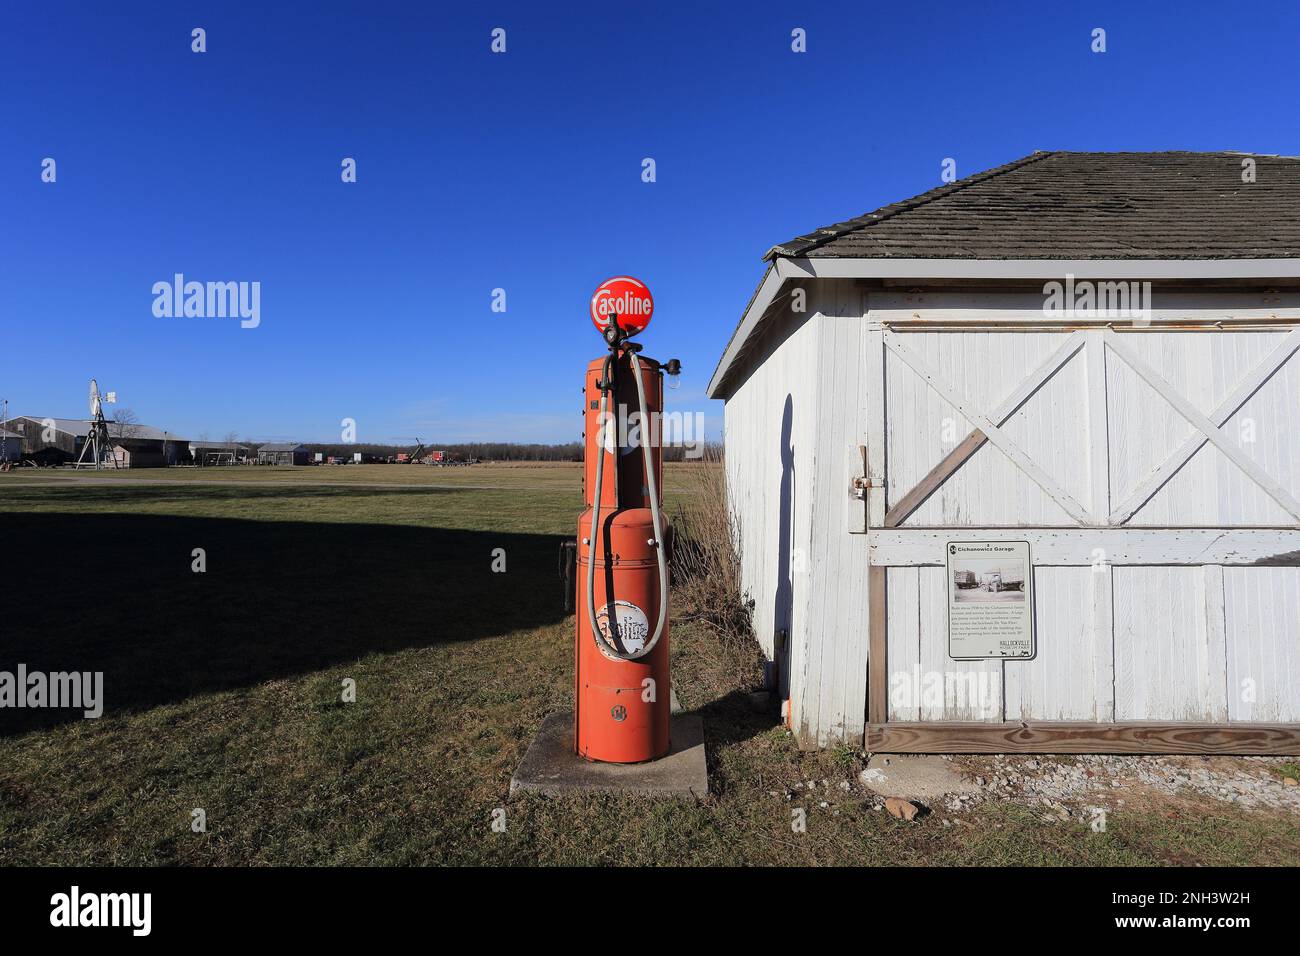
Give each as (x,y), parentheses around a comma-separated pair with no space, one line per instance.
(731,719)
(116,593)
(147,492)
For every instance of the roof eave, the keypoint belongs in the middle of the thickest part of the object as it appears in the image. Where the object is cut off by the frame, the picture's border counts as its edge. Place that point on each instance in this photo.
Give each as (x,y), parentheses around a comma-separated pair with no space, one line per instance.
(783,269)
(764,294)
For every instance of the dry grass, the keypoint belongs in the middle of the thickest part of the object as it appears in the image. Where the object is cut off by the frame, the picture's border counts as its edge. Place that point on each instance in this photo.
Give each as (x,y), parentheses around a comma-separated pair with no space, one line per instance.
(223,692)
(705,566)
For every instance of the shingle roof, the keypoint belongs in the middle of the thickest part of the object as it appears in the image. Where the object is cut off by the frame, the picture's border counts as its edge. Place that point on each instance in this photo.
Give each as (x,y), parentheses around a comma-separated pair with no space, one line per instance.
(1066,205)
(281,446)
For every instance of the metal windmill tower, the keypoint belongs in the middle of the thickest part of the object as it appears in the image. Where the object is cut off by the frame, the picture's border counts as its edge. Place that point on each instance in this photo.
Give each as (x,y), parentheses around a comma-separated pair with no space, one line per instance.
(97,450)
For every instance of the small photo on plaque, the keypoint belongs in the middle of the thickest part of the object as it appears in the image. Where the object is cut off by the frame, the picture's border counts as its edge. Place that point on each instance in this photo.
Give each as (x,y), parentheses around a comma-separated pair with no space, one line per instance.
(978,579)
(990,600)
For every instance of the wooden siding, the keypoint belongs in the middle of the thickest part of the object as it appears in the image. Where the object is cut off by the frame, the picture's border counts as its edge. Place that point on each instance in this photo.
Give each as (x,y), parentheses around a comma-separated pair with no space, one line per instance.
(792,431)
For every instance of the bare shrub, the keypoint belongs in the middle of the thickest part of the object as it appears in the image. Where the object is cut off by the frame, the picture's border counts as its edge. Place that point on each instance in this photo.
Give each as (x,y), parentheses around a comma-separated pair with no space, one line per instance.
(705,565)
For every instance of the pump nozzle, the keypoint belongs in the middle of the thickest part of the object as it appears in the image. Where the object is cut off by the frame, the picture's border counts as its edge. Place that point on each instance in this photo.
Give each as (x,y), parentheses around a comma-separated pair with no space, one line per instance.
(613,334)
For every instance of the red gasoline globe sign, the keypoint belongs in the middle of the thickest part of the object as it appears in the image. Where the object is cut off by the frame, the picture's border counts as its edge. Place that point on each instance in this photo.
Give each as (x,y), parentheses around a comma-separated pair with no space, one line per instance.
(626,297)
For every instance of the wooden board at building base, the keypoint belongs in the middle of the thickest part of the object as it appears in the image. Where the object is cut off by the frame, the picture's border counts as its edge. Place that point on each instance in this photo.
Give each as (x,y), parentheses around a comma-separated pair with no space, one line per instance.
(1083,738)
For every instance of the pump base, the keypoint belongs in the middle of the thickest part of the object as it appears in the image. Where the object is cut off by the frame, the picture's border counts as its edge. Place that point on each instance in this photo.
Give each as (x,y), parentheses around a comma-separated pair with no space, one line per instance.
(551,767)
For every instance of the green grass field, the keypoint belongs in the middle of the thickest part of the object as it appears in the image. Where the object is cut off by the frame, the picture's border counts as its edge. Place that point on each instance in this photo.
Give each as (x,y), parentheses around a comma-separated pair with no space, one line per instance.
(223,692)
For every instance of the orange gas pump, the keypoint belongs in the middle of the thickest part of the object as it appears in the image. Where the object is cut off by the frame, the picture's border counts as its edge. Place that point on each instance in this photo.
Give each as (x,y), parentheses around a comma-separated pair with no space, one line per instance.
(622,684)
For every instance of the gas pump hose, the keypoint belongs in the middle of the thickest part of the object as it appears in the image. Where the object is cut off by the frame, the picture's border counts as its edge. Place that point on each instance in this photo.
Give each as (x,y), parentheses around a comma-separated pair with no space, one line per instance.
(656,518)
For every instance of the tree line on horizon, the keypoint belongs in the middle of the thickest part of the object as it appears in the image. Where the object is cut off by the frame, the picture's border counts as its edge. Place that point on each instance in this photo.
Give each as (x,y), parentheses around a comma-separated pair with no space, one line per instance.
(461,451)
(482,451)
(464,451)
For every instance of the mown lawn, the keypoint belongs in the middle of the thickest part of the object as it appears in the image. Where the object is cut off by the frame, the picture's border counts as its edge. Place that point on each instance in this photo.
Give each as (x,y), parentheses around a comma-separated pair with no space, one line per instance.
(224,693)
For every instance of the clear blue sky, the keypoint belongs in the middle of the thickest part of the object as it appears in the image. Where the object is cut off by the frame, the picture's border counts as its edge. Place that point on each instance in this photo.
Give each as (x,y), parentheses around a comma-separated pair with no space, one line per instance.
(520,171)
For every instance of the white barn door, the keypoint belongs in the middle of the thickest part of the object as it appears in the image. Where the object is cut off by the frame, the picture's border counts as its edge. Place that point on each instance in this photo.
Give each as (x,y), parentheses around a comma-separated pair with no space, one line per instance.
(1155,473)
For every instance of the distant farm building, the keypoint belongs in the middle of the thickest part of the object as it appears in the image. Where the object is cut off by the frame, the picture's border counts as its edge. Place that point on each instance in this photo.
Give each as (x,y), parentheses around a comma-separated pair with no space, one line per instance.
(217,452)
(54,441)
(138,453)
(283,453)
(49,441)
(11,445)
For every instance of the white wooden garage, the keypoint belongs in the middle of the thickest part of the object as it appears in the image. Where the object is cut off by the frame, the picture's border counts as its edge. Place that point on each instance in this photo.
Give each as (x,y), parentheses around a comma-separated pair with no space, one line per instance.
(972,365)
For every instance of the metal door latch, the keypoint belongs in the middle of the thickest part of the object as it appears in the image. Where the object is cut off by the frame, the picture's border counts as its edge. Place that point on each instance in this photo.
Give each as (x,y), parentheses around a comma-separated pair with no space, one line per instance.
(862,483)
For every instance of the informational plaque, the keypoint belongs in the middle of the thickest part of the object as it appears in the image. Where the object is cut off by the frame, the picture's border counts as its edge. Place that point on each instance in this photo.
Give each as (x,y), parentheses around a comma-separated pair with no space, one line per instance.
(990,600)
